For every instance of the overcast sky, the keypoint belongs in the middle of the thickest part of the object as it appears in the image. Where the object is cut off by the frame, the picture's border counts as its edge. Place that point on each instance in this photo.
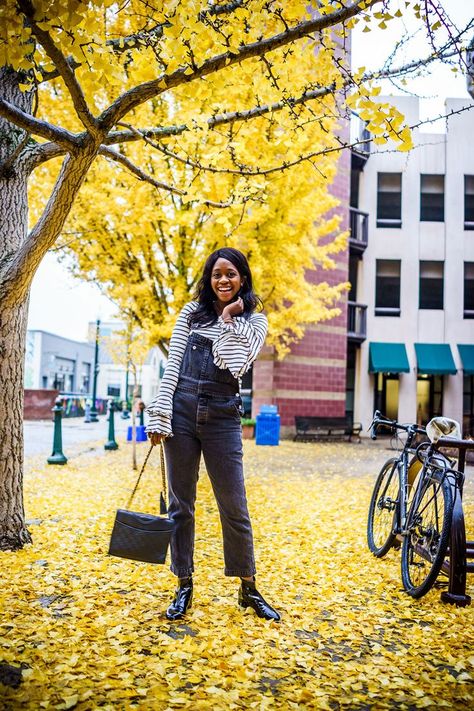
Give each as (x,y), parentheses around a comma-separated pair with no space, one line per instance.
(64,305)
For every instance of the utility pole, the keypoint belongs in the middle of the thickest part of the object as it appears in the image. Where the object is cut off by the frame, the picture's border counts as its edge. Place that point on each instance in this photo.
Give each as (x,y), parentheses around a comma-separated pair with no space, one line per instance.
(93,413)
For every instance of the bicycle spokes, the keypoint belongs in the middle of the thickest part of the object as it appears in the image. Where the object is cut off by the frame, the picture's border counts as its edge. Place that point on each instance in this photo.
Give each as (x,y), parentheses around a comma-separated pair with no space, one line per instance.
(383,510)
(426,539)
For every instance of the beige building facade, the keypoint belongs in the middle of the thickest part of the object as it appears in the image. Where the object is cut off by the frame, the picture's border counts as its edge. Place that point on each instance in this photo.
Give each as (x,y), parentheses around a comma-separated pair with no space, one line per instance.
(415,279)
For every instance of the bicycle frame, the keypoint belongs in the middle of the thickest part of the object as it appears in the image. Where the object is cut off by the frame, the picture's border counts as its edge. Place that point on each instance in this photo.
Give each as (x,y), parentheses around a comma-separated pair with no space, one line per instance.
(432,460)
(406,477)
(407,469)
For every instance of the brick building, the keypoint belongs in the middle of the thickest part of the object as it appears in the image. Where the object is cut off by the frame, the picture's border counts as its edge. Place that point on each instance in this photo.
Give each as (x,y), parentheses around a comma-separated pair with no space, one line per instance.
(311,380)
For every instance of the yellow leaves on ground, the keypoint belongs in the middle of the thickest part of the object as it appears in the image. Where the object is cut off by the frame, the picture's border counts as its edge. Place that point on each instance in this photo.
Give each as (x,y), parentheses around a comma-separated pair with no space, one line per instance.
(89,630)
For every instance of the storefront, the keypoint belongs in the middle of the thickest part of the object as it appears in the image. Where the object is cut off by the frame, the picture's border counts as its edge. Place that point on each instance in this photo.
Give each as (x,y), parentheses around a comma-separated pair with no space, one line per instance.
(434,362)
(386,362)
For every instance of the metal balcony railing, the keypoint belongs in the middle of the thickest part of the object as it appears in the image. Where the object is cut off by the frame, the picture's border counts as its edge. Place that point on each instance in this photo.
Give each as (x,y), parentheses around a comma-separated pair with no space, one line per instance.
(359,230)
(356,322)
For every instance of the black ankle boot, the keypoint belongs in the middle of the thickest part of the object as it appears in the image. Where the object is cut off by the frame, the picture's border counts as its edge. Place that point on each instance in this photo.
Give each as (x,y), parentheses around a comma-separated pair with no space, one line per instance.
(182,601)
(250,597)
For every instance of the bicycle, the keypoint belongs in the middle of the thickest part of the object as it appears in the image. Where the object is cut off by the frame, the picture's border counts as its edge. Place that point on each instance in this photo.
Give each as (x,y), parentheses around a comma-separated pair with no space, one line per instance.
(420,516)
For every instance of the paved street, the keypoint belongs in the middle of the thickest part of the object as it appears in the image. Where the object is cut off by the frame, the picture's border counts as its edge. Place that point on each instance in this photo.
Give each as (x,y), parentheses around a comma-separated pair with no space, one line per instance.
(78,436)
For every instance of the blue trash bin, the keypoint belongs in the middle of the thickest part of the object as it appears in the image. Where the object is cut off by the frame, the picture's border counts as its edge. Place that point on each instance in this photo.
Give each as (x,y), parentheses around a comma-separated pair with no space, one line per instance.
(267,425)
(141,434)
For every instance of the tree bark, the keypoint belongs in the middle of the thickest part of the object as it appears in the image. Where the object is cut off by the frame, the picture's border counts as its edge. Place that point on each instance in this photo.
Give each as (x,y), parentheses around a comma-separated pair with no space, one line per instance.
(13,320)
(20,256)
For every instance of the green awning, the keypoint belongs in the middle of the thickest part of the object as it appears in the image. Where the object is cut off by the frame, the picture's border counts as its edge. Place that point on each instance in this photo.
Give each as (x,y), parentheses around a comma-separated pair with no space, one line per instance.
(388,358)
(435,359)
(467,357)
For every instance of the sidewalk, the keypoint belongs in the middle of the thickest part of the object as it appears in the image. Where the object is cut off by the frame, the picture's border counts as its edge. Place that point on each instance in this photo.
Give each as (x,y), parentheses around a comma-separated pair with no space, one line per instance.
(79,437)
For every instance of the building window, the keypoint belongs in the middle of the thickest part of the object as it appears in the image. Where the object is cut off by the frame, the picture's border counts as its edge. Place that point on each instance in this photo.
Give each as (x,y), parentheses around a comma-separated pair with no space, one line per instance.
(431,285)
(85,377)
(387,287)
(468,289)
(469,202)
(113,390)
(432,198)
(389,199)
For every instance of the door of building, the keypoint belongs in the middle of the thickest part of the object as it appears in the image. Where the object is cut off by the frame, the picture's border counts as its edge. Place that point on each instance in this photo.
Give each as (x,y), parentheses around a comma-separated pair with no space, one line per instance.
(468,406)
(429,398)
(386,394)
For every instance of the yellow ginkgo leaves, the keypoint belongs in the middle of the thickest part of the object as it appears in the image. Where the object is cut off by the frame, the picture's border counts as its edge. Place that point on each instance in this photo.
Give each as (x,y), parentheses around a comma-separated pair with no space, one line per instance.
(89,632)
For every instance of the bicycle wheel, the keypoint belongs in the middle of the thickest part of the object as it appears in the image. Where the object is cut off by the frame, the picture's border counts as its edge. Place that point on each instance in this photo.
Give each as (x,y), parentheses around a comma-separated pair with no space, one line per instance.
(383,510)
(429,525)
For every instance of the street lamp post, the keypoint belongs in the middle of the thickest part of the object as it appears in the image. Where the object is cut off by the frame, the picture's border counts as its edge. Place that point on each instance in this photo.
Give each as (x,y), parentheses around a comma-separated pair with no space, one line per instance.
(125,412)
(93,413)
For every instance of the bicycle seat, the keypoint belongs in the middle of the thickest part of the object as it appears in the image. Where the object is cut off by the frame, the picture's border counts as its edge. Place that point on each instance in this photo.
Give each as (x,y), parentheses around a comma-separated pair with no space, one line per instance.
(443,427)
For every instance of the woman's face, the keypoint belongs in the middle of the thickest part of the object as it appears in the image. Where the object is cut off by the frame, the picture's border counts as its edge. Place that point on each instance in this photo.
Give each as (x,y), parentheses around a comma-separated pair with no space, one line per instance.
(225,280)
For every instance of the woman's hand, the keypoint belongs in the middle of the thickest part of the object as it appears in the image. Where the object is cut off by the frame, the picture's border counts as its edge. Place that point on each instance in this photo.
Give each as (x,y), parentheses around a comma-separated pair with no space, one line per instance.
(155,437)
(233,309)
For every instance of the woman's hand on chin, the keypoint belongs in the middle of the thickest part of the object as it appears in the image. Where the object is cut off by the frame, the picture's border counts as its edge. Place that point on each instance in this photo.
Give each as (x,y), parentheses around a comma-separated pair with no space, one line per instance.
(233,309)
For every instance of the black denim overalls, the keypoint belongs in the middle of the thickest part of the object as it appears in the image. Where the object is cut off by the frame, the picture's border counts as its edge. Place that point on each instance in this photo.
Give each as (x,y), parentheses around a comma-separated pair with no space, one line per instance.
(206,418)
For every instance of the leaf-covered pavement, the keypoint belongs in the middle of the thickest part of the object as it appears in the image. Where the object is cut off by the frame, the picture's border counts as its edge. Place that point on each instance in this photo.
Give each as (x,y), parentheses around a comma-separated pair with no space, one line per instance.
(88,630)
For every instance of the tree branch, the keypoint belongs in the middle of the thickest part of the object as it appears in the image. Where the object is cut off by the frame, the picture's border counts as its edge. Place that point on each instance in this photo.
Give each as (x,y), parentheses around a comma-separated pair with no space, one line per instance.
(215,10)
(43,235)
(41,153)
(143,92)
(166,131)
(69,141)
(119,46)
(228,171)
(115,137)
(301,159)
(140,174)
(63,67)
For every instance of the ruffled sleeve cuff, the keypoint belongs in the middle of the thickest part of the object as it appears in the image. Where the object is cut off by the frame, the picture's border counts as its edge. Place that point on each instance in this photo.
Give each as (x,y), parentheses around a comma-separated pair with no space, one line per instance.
(161,423)
(226,326)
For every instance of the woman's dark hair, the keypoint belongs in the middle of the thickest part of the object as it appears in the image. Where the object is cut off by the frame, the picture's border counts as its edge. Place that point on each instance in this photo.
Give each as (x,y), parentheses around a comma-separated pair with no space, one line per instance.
(205,314)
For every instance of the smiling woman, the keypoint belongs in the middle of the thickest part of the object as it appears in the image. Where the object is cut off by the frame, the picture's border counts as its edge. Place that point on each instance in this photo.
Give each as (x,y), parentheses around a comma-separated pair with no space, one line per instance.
(198,409)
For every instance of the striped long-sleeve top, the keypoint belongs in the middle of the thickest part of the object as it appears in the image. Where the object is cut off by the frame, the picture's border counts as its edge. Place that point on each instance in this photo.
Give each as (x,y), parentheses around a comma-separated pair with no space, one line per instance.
(234,346)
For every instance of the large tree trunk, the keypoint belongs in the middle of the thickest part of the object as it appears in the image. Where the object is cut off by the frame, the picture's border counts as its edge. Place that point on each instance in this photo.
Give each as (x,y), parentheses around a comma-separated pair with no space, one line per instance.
(20,256)
(13,319)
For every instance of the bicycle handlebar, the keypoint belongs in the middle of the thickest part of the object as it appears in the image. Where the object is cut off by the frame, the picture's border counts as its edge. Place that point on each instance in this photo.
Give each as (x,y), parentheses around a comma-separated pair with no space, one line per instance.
(379,420)
(373,426)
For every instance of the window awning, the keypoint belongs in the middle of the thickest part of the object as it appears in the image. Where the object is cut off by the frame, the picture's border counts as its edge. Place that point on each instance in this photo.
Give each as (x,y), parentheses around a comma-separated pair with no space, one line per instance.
(388,358)
(467,356)
(435,359)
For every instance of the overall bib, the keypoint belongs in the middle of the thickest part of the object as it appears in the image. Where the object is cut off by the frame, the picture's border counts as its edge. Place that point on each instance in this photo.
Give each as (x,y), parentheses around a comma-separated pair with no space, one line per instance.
(206,418)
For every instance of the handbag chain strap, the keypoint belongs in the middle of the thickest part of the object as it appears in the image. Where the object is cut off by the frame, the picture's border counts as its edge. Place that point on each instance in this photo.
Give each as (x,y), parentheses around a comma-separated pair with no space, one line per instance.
(163,474)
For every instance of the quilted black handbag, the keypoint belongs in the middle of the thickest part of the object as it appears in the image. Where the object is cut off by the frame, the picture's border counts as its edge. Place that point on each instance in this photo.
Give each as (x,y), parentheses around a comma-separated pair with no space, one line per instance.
(140,536)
